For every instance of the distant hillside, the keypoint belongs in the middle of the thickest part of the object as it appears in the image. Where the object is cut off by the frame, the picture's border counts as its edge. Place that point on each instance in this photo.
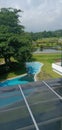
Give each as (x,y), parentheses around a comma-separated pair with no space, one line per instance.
(46,34)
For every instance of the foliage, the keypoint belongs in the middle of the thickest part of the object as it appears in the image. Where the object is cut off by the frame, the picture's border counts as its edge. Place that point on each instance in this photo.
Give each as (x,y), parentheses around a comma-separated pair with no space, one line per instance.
(41,47)
(47,39)
(49,43)
(46,34)
(16,69)
(9,21)
(13,41)
(21,48)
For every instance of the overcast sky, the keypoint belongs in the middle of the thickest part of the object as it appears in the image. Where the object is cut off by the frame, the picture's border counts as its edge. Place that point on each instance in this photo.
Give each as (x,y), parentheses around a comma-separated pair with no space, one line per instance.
(38,15)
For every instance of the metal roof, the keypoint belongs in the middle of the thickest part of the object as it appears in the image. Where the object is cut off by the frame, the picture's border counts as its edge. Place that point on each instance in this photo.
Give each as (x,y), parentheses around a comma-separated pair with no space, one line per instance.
(33,106)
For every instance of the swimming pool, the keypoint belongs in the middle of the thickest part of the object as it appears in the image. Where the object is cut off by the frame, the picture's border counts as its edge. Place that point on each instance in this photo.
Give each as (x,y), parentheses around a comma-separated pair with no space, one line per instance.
(32,68)
(18,80)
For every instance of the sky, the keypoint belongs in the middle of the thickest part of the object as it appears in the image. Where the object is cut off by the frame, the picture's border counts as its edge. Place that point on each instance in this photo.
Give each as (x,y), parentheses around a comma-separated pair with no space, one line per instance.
(38,15)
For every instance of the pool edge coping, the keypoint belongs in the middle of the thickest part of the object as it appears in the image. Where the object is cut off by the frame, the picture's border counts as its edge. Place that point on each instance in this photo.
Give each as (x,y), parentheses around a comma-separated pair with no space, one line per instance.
(35,79)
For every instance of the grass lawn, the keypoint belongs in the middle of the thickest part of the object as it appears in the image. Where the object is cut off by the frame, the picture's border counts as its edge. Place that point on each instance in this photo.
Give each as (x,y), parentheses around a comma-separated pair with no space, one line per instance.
(47,60)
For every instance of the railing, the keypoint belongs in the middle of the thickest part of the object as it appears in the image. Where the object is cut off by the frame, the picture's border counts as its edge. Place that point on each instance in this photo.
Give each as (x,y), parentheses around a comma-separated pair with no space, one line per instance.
(57,68)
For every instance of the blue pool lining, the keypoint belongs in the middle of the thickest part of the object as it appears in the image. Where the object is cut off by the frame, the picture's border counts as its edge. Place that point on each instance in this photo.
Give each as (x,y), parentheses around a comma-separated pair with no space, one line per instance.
(14,77)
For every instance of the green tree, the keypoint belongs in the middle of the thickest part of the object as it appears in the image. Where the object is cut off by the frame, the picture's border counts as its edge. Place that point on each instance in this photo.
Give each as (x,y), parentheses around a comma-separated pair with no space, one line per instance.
(21,48)
(9,21)
(13,41)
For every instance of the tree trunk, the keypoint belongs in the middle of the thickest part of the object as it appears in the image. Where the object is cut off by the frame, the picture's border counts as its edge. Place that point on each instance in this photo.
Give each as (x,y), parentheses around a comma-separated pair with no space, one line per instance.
(7,60)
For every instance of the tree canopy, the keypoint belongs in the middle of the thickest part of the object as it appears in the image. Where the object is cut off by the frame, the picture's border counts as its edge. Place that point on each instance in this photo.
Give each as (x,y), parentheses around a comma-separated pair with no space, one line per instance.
(9,21)
(13,41)
(46,34)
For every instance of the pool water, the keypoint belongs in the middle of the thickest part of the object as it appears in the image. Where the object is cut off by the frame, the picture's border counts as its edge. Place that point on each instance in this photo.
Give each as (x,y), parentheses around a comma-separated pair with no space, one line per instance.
(13,82)
(33,67)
